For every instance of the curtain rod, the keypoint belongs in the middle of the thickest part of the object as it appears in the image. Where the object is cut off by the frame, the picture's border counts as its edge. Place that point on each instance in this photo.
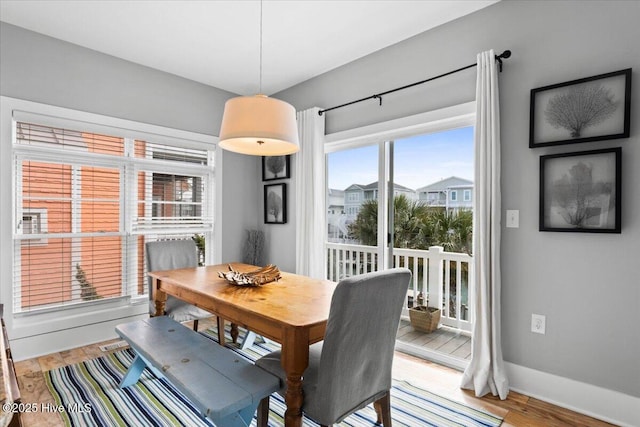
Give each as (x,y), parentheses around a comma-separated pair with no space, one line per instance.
(504,55)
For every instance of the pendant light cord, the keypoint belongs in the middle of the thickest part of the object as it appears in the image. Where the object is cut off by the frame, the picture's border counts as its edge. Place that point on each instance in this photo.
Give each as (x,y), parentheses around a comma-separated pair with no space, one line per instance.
(260,91)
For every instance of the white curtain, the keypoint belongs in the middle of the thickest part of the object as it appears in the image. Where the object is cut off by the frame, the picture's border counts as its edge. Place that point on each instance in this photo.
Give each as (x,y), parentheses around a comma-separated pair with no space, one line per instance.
(310,195)
(486,371)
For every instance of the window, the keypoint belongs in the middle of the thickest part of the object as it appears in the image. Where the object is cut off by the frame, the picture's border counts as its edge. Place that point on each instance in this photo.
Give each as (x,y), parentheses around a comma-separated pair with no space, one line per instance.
(85,204)
(453,195)
(467,195)
(34,221)
(354,197)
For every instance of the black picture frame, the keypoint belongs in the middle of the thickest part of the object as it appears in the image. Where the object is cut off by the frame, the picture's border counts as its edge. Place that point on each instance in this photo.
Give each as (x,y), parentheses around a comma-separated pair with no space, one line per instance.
(581,191)
(275,203)
(551,124)
(276,167)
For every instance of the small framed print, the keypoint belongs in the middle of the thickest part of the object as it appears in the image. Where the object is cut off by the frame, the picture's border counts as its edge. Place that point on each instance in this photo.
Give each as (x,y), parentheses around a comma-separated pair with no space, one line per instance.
(275,204)
(590,109)
(580,191)
(275,167)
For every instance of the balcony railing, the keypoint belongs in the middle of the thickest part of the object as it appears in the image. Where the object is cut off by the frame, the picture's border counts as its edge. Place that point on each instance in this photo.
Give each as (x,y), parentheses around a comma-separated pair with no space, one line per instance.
(440,279)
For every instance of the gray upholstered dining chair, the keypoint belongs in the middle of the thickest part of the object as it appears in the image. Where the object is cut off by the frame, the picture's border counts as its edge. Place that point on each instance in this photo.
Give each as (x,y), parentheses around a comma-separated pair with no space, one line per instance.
(352,366)
(168,255)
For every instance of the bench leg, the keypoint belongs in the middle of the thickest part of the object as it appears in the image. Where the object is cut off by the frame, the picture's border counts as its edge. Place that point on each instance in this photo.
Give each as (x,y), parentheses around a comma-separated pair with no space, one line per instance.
(242,418)
(248,340)
(134,372)
(263,413)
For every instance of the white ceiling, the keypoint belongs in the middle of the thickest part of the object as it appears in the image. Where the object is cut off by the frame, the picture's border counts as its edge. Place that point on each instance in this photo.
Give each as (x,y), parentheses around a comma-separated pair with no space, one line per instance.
(218,42)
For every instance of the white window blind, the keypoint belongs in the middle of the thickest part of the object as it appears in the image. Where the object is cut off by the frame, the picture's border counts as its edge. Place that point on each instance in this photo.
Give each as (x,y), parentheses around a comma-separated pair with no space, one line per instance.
(86,203)
(171,200)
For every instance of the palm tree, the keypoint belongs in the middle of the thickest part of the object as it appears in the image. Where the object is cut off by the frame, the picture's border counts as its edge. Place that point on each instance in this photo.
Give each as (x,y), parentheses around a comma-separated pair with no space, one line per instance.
(416,226)
(451,230)
(365,227)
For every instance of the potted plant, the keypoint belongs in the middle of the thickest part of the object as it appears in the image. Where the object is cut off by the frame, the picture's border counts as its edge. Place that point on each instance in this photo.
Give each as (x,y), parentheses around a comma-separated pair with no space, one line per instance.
(200,244)
(424,318)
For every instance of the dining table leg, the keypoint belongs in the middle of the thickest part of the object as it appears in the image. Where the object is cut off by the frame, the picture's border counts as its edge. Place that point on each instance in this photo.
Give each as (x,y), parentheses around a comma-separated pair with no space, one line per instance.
(159,297)
(221,338)
(295,359)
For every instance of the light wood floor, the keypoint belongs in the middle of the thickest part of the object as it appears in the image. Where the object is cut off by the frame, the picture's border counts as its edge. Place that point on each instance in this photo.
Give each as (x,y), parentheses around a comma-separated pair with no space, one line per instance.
(517,410)
(444,340)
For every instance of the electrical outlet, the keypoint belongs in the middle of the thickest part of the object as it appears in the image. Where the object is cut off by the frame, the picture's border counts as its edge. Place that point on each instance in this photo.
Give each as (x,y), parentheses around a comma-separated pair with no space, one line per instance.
(538,323)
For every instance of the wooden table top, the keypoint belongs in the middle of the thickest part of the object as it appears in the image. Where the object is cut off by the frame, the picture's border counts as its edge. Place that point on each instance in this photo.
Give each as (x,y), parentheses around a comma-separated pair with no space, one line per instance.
(293,300)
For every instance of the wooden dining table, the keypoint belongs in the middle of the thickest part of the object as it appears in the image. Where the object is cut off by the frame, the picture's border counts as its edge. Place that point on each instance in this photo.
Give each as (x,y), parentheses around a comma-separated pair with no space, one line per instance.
(292,311)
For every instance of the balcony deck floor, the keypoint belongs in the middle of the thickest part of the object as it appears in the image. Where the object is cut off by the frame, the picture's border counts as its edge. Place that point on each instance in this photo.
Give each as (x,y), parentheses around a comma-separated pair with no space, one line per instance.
(444,340)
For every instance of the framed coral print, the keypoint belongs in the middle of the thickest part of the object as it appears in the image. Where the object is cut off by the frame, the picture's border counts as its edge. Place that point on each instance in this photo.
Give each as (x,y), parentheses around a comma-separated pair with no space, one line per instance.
(275,167)
(590,109)
(581,191)
(275,204)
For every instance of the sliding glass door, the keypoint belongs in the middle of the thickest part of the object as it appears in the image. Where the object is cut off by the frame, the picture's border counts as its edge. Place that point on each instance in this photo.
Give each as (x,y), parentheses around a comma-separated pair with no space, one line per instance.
(407,202)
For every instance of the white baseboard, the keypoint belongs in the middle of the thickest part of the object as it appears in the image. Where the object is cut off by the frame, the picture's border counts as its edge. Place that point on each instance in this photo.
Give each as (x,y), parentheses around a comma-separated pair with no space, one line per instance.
(607,405)
(52,342)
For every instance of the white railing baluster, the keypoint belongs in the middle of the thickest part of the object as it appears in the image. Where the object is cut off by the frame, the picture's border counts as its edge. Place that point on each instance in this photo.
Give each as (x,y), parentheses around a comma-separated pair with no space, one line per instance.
(416,276)
(436,275)
(447,288)
(458,292)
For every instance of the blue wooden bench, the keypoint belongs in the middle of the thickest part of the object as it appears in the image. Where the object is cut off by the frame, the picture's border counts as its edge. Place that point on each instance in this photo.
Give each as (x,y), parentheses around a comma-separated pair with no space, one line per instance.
(223,386)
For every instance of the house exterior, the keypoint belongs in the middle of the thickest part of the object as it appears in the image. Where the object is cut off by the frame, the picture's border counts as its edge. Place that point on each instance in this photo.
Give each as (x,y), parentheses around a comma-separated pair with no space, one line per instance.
(335,201)
(356,194)
(451,193)
(336,219)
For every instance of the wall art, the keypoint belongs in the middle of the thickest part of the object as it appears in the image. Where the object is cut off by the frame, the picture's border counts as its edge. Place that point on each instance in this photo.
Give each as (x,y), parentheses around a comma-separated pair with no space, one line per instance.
(275,167)
(590,109)
(275,204)
(581,191)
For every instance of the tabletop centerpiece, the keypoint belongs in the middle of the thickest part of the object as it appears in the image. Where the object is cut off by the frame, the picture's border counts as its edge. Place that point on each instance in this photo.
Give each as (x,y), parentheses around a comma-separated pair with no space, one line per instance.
(259,277)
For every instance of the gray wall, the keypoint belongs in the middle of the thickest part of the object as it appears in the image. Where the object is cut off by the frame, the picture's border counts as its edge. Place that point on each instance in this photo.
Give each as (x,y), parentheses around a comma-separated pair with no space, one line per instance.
(42,69)
(587,285)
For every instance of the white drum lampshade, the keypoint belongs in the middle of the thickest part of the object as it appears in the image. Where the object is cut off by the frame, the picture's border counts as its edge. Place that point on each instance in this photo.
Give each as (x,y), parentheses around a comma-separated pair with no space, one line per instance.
(259,126)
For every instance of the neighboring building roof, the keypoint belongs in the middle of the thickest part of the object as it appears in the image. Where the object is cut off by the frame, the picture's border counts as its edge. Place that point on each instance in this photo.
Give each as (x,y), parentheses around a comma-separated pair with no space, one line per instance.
(335,193)
(354,187)
(443,184)
(374,186)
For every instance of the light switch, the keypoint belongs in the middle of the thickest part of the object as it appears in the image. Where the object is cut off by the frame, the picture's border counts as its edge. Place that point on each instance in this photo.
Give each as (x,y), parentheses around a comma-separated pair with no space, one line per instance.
(513,219)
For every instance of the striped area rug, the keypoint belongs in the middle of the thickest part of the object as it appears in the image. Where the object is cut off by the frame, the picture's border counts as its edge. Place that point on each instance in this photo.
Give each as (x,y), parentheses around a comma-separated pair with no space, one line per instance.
(89,392)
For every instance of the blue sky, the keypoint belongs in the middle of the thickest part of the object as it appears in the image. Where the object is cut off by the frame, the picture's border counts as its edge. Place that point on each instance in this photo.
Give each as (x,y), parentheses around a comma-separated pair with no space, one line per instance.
(419,160)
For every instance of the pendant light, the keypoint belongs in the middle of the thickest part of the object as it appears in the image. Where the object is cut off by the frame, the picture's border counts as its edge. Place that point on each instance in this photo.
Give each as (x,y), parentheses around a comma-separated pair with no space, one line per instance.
(258,125)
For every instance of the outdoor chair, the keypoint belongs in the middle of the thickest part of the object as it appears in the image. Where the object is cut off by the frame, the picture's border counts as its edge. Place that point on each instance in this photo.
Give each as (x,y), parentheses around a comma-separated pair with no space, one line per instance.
(352,366)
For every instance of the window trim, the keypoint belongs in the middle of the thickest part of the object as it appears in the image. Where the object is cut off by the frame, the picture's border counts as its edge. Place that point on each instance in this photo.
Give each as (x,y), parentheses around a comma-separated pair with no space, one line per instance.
(13,109)
(457,116)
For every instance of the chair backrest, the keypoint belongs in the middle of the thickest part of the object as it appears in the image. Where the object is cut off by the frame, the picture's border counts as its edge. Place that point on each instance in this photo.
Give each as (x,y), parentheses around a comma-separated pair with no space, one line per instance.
(167,255)
(357,354)
(170,254)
